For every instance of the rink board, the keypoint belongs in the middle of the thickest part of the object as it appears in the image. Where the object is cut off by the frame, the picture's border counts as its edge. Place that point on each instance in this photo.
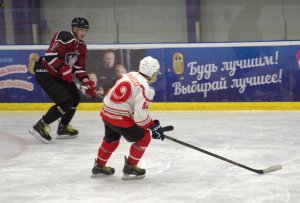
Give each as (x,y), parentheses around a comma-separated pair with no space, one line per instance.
(200,76)
(167,106)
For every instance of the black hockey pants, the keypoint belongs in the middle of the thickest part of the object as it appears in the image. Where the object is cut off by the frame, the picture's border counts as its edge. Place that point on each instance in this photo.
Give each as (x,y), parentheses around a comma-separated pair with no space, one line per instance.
(65,95)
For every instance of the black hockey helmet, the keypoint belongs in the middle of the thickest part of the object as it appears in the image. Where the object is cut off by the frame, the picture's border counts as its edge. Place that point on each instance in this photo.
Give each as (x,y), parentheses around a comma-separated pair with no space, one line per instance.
(80,22)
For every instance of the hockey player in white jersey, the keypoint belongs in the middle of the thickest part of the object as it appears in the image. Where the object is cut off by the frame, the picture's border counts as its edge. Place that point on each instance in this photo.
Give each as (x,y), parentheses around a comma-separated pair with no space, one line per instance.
(125,113)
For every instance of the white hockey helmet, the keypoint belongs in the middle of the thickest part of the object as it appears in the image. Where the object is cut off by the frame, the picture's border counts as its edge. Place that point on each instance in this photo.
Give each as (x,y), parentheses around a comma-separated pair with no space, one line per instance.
(149,66)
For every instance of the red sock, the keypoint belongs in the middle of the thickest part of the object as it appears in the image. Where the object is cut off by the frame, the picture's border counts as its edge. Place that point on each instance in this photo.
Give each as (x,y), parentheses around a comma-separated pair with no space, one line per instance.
(105,151)
(138,148)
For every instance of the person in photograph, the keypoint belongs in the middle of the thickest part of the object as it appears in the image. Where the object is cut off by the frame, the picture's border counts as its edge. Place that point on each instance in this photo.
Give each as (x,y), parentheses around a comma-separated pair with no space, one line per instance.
(99,90)
(120,70)
(107,70)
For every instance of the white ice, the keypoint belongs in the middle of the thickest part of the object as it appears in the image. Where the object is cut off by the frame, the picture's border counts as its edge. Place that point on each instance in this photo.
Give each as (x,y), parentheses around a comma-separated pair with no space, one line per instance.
(60,172)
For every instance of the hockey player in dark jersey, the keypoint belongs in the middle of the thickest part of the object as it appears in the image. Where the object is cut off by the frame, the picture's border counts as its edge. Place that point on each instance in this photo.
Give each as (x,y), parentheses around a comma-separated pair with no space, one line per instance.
(64,60)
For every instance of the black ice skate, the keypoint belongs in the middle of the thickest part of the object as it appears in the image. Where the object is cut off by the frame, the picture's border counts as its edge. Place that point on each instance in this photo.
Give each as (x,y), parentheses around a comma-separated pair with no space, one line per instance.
(132,171)
(41,131)
(102,170)
(66,132)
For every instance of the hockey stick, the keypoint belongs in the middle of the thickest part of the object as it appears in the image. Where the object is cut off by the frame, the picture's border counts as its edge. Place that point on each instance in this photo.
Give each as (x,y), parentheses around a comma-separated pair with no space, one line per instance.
(167,128)
(259,171)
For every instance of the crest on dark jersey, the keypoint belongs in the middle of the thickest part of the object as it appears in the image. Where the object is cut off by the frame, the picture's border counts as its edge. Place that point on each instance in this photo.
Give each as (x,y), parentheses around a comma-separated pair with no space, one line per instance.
(71,58)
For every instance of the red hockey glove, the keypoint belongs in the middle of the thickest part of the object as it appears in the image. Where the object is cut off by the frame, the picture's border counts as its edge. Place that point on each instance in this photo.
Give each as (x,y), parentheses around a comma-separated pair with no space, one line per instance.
(66,73)
(90,88)
(156,130)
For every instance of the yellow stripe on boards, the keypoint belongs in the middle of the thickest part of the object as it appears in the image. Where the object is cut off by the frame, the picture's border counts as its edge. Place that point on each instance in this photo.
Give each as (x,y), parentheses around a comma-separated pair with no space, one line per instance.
(167,106)
(225,106)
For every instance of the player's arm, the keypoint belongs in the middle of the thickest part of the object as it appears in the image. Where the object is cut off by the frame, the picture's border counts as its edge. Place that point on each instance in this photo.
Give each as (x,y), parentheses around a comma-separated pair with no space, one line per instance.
(142,116)
(55,55)
(141,107)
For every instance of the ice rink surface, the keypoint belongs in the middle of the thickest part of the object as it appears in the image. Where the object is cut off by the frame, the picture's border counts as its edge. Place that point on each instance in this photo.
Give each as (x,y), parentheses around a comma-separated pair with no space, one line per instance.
(60,172)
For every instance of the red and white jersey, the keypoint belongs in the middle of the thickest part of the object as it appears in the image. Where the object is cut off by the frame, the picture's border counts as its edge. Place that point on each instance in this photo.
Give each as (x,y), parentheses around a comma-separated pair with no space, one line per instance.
(65,50)
(128,101)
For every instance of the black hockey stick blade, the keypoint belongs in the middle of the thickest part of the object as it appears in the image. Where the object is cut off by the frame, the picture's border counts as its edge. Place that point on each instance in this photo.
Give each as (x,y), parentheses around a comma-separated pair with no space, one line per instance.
(168,128)
(259,171)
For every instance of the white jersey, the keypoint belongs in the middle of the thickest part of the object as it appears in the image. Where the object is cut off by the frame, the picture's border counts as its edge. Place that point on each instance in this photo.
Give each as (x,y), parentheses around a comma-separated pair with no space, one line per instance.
(127,102)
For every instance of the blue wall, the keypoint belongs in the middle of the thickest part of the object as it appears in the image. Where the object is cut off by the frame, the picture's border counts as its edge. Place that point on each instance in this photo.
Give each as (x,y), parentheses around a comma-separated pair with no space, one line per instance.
(246,72)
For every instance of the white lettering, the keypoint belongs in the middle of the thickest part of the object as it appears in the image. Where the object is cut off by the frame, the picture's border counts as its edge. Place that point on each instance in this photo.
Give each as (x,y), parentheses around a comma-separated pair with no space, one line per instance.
(13,69)
(242,83)
(196,87)
(203,71)
(20,84)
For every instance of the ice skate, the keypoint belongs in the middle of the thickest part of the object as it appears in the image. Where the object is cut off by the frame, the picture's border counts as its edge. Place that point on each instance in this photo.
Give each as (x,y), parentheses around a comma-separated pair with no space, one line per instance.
(66,132)
(132,171)
(102,170)
(41,131)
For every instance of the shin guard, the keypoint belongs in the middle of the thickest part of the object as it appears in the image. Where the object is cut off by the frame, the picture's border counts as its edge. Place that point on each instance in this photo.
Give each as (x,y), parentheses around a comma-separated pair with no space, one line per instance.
(138,148)
(105,151)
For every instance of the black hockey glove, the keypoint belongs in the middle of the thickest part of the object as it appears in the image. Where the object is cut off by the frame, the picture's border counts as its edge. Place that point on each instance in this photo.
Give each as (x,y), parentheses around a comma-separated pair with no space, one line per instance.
(156,130)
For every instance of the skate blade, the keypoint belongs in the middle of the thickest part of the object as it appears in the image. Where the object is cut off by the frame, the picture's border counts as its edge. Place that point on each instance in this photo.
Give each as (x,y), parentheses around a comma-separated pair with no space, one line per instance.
(64,137)
(100,175)
(132,177)
(38,136)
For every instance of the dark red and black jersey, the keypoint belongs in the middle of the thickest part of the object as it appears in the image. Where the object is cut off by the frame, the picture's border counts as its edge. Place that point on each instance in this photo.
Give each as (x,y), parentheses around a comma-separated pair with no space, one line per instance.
(65,50)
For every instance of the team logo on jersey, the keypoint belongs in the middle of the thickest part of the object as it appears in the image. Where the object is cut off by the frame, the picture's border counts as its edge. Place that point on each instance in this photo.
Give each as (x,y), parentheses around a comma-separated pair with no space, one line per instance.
(71,58)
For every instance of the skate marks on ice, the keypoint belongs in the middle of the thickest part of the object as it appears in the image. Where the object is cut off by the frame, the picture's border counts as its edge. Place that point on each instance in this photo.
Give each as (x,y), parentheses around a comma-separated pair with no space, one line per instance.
(60,171)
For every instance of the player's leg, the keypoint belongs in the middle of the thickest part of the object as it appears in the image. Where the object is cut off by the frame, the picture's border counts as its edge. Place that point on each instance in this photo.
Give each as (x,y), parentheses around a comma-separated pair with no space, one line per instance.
(109,144)
(62,97)
(141,139)
(64,129)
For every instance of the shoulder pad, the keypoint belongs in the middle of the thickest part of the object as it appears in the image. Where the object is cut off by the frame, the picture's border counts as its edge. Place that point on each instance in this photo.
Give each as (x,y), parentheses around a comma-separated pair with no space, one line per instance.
(64,36)
(149,91)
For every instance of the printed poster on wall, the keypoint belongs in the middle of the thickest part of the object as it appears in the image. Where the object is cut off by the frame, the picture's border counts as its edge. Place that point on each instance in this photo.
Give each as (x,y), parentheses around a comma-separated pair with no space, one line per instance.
(220,74)
(107,65)
(204,74)
(17,81)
